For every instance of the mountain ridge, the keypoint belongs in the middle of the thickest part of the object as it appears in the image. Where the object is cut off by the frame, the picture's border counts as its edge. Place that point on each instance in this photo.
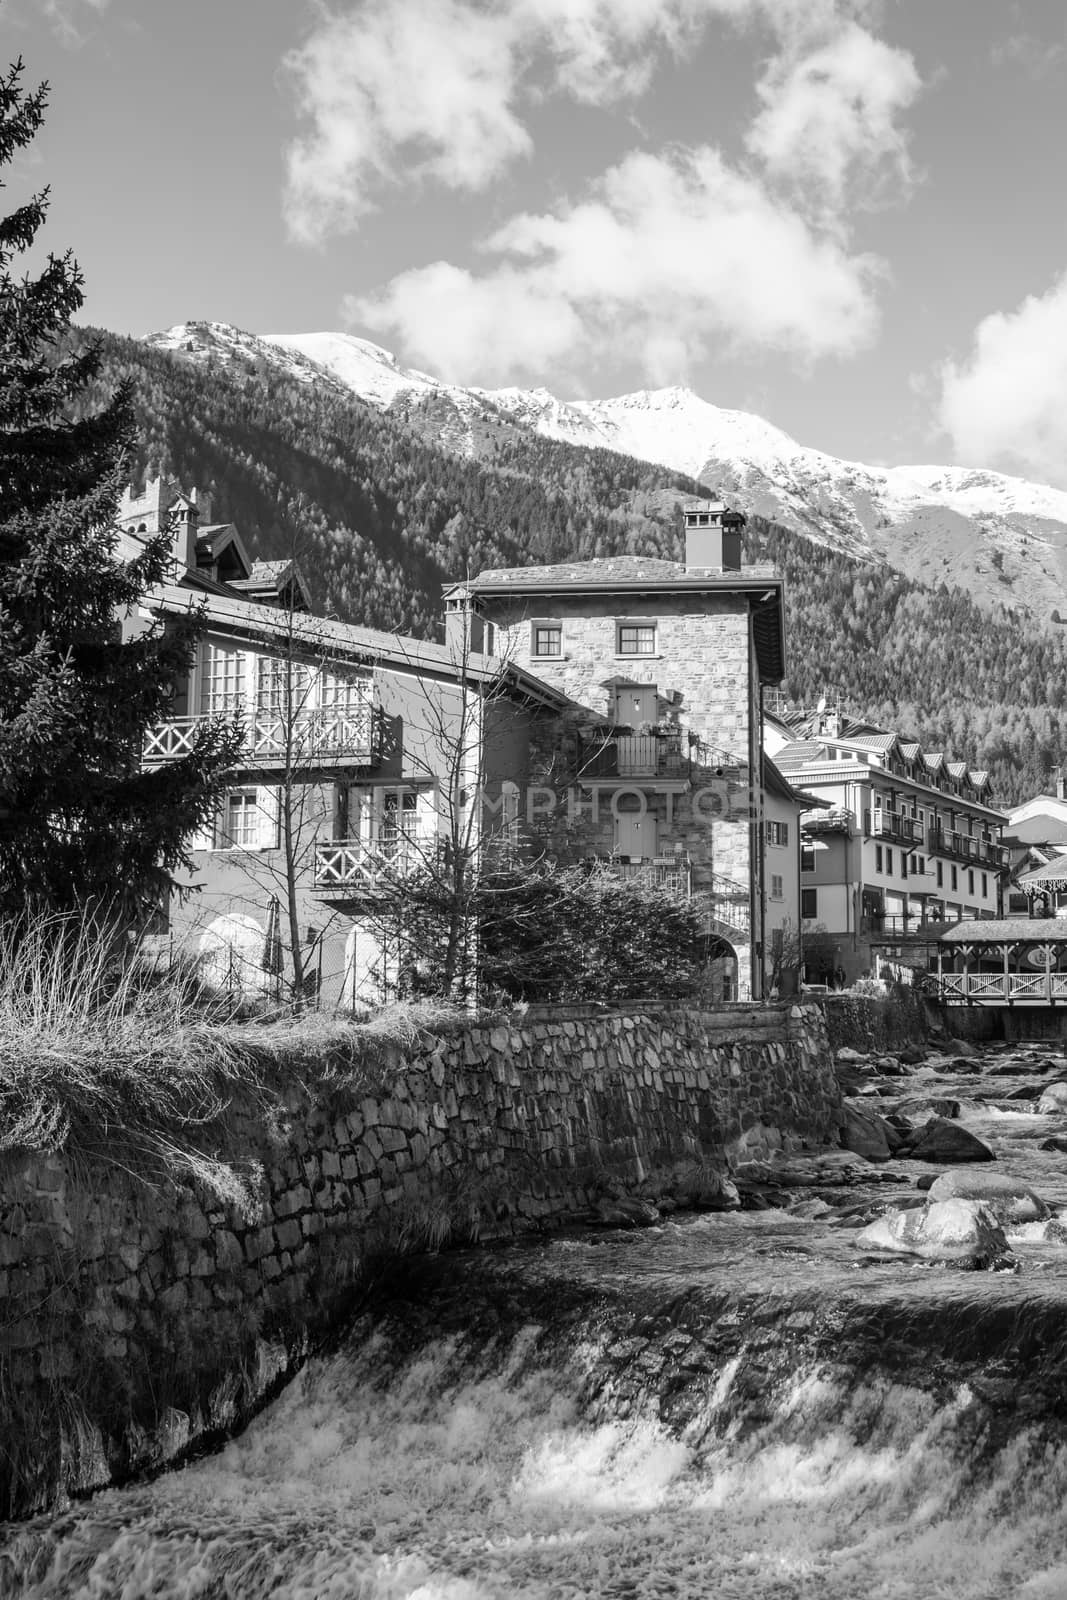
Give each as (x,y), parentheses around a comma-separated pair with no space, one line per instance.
(1002,537)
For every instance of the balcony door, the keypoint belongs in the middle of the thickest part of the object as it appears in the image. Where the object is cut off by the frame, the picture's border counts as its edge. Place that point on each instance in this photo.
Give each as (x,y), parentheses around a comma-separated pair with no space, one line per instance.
(635,832)
(635,708)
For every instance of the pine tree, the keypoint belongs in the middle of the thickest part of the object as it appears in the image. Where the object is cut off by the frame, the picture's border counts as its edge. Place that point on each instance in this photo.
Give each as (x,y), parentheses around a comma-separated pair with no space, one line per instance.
(79,821)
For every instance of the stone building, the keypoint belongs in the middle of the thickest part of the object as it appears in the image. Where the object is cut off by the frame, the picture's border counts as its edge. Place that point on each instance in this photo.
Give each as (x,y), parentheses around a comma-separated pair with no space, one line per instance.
(657,760)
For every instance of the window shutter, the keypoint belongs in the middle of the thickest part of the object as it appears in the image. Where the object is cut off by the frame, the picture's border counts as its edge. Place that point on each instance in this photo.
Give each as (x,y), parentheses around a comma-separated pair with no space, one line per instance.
(268,804)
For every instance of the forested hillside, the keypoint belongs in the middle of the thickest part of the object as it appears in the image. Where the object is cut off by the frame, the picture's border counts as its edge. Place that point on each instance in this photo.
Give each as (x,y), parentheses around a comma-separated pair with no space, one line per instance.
(380,518)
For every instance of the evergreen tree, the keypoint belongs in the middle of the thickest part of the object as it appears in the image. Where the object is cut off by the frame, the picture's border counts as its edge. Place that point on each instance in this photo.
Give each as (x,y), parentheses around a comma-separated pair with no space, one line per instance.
(79,821)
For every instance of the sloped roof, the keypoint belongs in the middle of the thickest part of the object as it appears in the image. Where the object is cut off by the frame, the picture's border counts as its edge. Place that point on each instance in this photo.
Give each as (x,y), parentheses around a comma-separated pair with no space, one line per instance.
(1008,930)
(800,754)
(370,646)
(1048,871)
(776,784)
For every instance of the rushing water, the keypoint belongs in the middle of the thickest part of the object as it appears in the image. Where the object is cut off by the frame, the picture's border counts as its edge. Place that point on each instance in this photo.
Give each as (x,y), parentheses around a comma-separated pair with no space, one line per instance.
(724,1406)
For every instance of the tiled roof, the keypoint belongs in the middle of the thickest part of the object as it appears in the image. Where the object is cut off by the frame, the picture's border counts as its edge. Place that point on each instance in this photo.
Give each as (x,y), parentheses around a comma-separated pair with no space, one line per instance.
(910,751)
(800,754)
(958,769)
(873,741)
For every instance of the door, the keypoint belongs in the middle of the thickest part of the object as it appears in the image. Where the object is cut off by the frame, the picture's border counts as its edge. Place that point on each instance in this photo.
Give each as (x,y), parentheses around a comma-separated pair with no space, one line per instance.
(635,832)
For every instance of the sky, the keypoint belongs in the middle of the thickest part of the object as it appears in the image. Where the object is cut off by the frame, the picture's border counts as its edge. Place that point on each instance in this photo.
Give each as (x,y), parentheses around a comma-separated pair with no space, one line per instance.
(849,216)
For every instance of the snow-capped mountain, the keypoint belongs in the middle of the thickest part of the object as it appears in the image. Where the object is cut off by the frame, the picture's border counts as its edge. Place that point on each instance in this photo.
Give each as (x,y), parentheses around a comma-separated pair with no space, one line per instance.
(1003,537)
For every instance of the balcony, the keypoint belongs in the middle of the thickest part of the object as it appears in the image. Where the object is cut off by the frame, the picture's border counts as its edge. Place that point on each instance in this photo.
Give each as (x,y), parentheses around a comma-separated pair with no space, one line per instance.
(632,756)
(999,988)
(899,927)
(330,736)
(961,847)
(354,866)
(881,824)
(672,874)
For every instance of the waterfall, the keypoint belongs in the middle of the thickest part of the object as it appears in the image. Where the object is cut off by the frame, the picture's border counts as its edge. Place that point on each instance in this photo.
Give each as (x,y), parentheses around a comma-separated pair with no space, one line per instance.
(615,1417)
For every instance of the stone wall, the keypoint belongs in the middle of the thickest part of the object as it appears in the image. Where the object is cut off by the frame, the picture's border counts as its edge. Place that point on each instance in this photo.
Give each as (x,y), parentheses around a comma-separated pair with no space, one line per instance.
(136,1317)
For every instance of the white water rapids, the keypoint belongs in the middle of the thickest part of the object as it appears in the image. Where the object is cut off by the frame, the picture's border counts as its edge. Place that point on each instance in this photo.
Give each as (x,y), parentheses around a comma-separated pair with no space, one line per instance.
(497,1485)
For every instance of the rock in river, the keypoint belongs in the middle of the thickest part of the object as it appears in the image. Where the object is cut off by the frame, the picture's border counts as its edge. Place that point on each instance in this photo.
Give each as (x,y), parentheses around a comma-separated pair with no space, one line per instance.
(1054,1098)
(961,1231)
(865,1135)
(946,1141)
(1009,1199)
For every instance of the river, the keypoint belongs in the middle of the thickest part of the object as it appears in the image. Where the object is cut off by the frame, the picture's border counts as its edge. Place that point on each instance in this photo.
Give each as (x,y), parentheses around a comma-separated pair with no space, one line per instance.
(726,1405)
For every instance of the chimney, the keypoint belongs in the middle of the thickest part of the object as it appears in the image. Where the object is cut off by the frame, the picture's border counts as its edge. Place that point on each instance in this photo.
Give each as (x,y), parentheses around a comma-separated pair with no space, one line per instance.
(464,628)
(185,517)
(713,537)
(1061,785)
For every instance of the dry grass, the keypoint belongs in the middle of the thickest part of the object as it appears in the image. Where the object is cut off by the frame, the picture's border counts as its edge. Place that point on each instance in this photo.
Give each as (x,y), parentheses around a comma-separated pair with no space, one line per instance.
(100,1055)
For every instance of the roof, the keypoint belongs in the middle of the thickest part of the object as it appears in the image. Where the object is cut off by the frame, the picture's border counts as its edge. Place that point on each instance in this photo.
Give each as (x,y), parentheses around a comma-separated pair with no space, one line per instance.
(640,574)
(775,784)
(371,646)
(612,570)
(1008,930)
(1056,869)
(800,753)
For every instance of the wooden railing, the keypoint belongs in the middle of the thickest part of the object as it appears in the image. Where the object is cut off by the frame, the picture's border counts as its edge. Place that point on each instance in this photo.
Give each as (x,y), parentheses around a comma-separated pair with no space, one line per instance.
(996,988)
(983,852)
(334,733)
(631,756)
(882,824)
(354,864)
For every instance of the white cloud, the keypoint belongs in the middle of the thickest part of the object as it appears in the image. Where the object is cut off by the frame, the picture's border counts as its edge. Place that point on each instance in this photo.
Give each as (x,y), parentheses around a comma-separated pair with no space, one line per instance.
(393,91)
(422,88)
(666,258)
(829,120)
(1007,404)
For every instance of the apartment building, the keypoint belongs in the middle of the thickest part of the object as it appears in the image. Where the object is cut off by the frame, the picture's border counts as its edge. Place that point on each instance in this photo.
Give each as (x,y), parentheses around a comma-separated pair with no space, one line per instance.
(908,843)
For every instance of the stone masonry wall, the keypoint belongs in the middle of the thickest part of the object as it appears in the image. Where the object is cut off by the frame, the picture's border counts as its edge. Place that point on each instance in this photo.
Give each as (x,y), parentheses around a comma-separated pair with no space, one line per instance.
(135,1319)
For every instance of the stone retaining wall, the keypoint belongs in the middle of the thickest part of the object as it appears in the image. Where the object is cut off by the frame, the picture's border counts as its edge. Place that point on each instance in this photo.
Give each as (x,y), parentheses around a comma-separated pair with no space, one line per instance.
(134,1320)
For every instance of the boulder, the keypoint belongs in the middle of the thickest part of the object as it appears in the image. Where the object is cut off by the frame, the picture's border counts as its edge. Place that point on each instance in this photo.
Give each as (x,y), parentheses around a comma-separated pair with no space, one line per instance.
(926,1180)
(865,1135)
(942,1140)
(1056,1141)
(934,1106)
(846,1053)
(628,1213)
(963,1232)
(1053,1099)
(1009,1199)
(961,1047)
(911,1055)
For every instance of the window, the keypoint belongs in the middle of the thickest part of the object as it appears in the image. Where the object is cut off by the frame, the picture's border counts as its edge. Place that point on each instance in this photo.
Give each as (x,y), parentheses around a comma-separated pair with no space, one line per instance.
(777,833)
(245,822)
(888,860)
(222,683)
(903,863)
(970,882)
(635,639)
(282,687)
(397,824)
(809,904)
(341,691)
(878,858)
(955,878)
(940,875)
(807,858)
(547,638)
(985,884)
(777,887)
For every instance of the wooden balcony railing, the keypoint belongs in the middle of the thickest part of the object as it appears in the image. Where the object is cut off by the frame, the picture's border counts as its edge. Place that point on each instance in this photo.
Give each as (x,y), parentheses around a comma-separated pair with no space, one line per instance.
(356,865)
(631,756)
(881,824)
(997,988)
(345,734)
(960,846)
(901,925)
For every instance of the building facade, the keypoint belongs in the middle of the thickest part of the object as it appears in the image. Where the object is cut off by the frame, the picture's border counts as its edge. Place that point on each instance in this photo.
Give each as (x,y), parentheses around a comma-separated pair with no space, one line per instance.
(907,844)
(657,761)
(602,711)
